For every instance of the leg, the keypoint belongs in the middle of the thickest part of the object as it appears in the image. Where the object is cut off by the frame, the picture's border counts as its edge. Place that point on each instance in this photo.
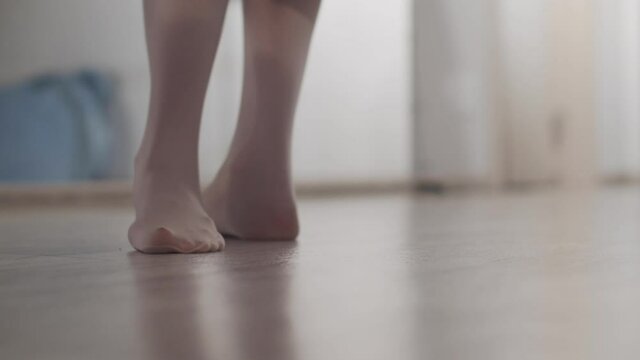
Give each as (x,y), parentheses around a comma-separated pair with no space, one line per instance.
(252,196)
(182,38)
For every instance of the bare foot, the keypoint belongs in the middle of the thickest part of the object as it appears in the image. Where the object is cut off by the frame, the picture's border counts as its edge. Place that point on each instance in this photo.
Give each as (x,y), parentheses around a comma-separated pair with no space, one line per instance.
(170,217)
(251,204)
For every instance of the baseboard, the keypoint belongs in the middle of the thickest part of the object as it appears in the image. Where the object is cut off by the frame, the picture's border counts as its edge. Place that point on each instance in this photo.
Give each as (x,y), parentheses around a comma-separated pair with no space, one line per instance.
(119,192)
(99,192)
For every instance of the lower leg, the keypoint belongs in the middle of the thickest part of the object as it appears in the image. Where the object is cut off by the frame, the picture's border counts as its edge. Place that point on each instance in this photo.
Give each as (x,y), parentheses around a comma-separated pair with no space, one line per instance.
(182,38)
(252,195)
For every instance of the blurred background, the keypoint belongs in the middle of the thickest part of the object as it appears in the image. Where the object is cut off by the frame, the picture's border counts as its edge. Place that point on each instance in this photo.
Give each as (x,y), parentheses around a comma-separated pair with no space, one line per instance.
(435,93)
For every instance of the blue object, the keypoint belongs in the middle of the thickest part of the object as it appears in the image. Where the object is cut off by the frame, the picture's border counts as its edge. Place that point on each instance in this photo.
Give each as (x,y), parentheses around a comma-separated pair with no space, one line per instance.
(55,128)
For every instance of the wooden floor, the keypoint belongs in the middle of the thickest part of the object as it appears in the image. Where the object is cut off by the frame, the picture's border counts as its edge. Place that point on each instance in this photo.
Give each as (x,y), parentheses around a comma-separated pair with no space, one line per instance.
(520,276)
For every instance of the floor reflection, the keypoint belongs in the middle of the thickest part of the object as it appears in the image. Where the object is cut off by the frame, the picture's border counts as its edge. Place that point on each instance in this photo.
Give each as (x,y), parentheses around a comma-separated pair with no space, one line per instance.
(258,301)
(169,318)
(506,277)
(212,306)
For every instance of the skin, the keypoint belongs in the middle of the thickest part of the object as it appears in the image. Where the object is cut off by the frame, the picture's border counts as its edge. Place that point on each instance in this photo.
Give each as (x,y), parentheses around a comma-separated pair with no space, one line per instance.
(252,196)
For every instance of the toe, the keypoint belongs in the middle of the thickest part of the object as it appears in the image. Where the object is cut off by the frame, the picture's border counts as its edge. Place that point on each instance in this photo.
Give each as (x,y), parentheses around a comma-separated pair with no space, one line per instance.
(218,243)
(162,241)
(201,247)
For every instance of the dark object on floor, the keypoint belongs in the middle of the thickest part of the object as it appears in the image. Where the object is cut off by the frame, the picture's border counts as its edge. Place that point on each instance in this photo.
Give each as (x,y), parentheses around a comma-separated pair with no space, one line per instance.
(55,128)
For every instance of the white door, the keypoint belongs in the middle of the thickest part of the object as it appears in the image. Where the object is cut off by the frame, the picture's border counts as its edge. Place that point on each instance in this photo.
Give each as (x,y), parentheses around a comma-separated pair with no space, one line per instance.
(504,94)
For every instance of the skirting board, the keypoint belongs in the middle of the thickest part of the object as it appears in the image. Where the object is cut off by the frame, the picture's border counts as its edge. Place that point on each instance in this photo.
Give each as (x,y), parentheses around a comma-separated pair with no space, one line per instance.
(119,192)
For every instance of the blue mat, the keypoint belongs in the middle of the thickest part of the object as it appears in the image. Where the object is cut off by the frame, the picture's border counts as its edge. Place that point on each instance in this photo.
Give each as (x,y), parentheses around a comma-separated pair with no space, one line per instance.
(56,128)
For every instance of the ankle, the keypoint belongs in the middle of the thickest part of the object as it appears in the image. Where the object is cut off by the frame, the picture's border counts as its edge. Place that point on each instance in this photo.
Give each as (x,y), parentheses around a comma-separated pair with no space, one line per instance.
(255,167)
(157,175)
(161,161)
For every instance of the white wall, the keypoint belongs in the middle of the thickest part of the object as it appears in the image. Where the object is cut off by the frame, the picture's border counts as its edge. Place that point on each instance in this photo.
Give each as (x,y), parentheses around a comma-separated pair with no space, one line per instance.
(618,87)
(454,90)
(354,120)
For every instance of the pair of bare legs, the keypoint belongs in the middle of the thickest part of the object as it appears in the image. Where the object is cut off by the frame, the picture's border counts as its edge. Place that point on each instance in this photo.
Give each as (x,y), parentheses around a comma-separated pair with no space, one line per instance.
(252,196)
